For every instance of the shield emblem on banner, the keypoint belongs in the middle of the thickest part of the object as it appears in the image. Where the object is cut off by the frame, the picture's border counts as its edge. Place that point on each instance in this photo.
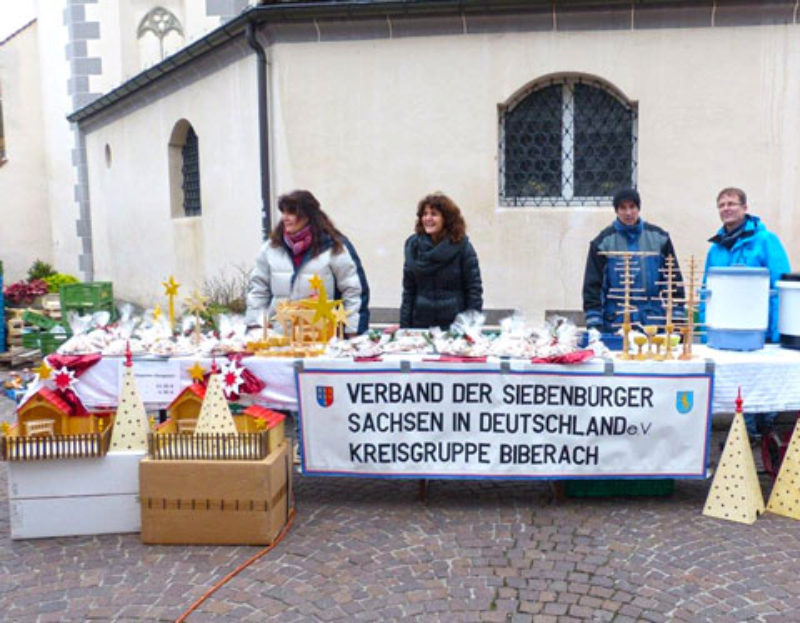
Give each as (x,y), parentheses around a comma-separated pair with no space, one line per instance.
(684,401)
(324,395)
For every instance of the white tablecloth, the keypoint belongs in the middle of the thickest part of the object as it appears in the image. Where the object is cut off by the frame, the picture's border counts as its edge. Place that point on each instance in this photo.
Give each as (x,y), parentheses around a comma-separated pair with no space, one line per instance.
(769,378)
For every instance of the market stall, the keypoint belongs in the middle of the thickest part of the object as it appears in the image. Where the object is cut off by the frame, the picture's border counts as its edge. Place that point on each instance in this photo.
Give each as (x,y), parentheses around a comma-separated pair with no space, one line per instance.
(769,378)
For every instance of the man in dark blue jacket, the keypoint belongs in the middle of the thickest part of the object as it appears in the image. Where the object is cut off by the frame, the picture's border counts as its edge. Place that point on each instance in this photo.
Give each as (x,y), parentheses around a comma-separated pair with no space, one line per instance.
(601,278)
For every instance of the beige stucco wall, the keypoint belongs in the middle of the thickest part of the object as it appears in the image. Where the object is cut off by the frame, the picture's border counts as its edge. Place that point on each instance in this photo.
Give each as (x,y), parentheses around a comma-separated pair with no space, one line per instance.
(59,141)
(137,244)
(25,231)
(371,126)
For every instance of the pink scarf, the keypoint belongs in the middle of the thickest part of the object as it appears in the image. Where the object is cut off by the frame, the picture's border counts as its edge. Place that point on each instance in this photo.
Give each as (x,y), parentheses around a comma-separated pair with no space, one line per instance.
(298,242)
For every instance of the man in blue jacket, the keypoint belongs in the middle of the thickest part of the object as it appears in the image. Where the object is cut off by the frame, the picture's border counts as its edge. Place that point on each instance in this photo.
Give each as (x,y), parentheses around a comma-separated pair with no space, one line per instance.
(602,280)
(743,240)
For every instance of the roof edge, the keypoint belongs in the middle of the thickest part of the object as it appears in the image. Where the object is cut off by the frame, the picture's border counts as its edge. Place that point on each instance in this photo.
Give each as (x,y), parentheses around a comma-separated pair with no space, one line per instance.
(17,31)
(330,9)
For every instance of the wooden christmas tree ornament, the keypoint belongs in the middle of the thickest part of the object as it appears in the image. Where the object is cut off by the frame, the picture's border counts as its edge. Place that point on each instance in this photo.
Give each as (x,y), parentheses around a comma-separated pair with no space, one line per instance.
(130,424)
(735,492)
(785,497)
(215,415)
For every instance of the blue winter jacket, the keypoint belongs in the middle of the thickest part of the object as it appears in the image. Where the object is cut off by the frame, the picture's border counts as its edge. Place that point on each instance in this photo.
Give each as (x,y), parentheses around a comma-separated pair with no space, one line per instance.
(602,281)
(756,246)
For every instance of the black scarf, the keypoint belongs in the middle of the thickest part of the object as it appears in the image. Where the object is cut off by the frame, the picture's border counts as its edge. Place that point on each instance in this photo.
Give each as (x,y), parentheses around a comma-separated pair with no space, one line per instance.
(428,257)
(728,238)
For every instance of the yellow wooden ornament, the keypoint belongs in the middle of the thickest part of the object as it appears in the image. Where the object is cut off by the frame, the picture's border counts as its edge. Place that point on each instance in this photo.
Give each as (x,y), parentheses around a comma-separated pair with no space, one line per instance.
(785,497)
(215,415)
(340,318)
(323,308)
(316,283)
(735,492)
(197,372)
(130,424)
(197,304)
(43,370)
(171,290)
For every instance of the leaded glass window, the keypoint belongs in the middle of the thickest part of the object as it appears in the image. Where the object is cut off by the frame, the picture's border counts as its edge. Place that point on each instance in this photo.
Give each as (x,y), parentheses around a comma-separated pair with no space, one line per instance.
(191,175)
(569,141)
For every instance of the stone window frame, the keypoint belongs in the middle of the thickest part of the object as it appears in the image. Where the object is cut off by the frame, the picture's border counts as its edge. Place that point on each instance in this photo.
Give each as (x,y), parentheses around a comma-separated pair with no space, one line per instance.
(184,171)
(563,165)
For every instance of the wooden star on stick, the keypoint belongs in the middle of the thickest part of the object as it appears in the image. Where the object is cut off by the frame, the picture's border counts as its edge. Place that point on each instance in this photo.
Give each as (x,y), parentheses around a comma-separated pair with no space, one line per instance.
(340,315)
(171,290)
(196,304)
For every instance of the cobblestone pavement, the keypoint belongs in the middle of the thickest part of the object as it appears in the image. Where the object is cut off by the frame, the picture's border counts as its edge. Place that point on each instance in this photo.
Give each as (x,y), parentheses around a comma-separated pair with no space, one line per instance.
(366,550)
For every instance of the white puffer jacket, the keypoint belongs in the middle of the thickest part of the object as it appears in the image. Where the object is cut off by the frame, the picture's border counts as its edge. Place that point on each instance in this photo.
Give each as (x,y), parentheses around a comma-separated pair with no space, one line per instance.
(274,278)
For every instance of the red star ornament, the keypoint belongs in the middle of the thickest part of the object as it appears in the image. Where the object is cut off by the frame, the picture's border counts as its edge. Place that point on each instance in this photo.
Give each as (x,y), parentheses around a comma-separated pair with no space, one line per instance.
(231,374)
(64,378)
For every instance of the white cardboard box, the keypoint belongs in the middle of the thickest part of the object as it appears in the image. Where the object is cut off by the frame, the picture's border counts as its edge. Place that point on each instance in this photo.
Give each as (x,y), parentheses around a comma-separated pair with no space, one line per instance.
(66,497)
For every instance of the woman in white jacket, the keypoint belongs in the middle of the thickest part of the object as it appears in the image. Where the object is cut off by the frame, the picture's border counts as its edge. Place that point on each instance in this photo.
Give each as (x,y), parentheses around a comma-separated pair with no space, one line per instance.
(303,244)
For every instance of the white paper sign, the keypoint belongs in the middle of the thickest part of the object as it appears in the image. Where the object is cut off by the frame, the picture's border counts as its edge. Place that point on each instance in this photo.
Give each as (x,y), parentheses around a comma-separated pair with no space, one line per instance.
(158,381)
(469,423)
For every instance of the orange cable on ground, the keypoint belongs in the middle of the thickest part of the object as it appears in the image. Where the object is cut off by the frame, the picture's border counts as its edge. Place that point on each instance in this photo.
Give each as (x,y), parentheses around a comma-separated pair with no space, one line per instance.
(237,570)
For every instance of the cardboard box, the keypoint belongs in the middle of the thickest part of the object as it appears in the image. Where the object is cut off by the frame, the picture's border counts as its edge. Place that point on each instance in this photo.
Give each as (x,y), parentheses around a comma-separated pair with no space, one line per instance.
(66,497)
(216,502)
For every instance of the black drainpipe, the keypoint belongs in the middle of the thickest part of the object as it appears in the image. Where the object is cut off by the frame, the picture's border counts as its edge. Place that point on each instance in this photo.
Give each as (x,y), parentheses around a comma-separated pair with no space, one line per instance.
(263,129)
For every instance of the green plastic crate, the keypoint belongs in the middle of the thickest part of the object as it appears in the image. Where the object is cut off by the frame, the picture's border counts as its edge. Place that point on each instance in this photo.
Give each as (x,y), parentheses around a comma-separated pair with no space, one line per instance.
(608,488)
(44,341)
(39,320)
(92,296)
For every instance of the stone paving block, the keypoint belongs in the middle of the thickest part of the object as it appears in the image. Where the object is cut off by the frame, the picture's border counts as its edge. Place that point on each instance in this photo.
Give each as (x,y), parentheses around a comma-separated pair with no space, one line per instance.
(555,608)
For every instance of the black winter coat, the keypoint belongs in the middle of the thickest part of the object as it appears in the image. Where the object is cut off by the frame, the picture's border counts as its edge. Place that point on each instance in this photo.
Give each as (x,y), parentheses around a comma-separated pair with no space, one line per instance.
(439,282)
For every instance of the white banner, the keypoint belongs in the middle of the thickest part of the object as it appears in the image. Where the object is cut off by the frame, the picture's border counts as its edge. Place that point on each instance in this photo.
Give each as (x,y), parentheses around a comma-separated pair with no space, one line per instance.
(463,422)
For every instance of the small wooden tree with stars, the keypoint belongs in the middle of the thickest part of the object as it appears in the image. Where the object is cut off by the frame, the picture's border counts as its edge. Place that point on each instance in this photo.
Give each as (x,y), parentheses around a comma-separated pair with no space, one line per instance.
(131,424)
(215,415)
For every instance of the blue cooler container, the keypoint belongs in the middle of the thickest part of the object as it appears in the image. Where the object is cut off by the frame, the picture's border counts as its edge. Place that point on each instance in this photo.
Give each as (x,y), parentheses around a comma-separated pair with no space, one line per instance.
(737,307)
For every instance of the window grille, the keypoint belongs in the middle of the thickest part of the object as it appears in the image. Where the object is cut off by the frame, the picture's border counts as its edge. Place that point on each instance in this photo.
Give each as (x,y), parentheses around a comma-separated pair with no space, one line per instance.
(566,142)
(191,175)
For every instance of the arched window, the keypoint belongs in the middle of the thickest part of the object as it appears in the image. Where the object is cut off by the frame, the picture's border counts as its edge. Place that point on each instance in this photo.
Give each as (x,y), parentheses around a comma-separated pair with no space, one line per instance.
(184,171)
(566,141)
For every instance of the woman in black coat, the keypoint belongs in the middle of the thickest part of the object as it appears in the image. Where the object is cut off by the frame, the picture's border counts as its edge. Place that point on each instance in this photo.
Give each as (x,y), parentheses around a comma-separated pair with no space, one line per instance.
(441,276)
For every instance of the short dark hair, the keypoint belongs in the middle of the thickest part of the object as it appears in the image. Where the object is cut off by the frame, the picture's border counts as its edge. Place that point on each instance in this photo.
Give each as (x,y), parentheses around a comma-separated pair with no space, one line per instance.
(627,194)
(732,190)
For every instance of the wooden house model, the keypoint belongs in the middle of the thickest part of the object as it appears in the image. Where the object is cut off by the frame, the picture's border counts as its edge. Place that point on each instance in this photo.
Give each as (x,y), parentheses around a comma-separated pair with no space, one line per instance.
(184,410)
(255,418)
(47,414)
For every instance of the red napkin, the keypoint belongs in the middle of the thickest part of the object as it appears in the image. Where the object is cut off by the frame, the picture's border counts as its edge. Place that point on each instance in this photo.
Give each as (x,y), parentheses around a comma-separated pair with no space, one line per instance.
(458,359)
(578,356)
(367,359)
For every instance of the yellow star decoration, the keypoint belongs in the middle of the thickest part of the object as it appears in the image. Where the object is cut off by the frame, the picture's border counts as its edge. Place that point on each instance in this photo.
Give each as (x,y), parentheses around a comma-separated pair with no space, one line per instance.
(196,303)
(322,306)
(171,286)
(340,314)
(316,284)
(44,371)
(157,313)
(196,372)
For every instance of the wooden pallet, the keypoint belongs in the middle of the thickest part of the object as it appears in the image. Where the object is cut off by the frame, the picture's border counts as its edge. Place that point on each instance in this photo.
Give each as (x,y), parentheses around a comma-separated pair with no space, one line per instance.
(19,356)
